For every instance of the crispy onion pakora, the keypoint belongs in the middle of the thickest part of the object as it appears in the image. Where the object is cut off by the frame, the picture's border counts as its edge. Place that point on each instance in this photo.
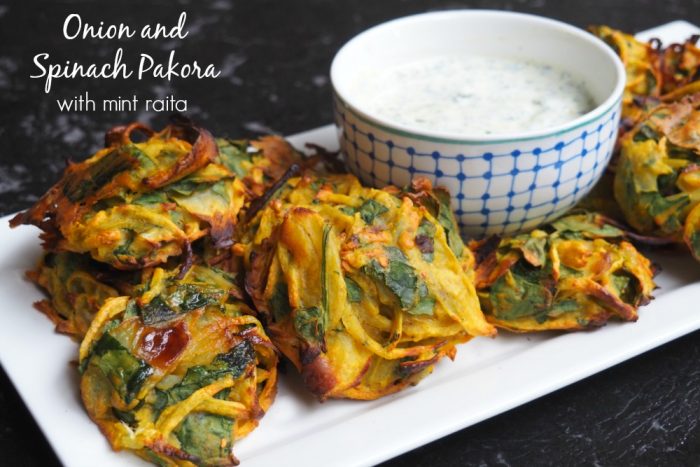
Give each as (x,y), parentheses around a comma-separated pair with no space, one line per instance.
(642,65)
(136,204)
(364,290)
(180,372)
(653,72)
(657,181)
(655,75)
(575,273)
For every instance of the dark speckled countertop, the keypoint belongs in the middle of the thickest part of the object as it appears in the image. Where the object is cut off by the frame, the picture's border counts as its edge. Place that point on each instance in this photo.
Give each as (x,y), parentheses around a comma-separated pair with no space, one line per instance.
(275,57)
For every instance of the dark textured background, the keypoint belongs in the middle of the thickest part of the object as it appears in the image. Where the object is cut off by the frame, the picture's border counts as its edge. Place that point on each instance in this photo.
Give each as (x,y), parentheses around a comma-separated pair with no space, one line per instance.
(275,57)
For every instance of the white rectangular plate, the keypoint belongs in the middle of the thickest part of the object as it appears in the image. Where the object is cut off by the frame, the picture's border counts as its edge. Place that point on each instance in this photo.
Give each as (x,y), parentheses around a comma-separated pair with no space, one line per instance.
(488,376)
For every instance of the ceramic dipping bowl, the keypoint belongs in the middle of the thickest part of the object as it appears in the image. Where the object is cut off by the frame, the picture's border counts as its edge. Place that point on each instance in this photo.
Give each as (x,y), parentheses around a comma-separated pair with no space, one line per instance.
(500,184)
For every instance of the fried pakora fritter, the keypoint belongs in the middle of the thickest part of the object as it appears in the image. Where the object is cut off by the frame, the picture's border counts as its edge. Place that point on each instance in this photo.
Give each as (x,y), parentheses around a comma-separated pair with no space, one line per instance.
(657,182)
(575,273)
(653,73)
(137,204)
(680,65)
(180,372)
(642,65)
(364,290)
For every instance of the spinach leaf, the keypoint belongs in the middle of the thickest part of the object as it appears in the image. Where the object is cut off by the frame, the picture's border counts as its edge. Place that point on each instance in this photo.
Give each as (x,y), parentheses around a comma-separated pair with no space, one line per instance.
(188,297)
(399,276)
(564,306)
(127,417)
(158,401)
(309,324)
(177,217)
(234,363)
(645,133)
(426,303)
(370,209)
(219,188)
(659,204)
(425,306)
(354,291)
(669,210)
(236,360)
(348,210)
(156,311)
(448,222)
(627,287)
(107,203)
(667,184)
(523,292)
(184,187)
(279,302)
(126,372)
(679,152)
(207,436)
(234,155)
(156,197)
(125,247)
(178,299)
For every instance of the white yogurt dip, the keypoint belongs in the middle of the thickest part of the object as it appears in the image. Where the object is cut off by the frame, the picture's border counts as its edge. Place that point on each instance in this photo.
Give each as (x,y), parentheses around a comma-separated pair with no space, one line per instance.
(473,95)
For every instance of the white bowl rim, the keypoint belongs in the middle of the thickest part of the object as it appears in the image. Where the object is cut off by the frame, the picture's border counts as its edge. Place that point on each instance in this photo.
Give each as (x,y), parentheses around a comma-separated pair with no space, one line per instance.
(462,138)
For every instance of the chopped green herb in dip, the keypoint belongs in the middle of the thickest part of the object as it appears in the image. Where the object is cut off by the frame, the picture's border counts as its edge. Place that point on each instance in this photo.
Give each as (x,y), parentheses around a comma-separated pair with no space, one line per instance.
(474,95)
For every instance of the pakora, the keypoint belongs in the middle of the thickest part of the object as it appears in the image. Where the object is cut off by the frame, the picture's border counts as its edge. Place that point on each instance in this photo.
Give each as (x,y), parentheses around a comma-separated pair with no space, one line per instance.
(179,372)
(642,66)
(654,73)
(137,204)
(364,290)
(657,182)
(577,272)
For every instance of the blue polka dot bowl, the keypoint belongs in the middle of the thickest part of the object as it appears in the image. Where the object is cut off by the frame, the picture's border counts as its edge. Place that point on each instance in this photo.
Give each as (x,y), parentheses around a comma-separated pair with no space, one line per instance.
(500,184)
